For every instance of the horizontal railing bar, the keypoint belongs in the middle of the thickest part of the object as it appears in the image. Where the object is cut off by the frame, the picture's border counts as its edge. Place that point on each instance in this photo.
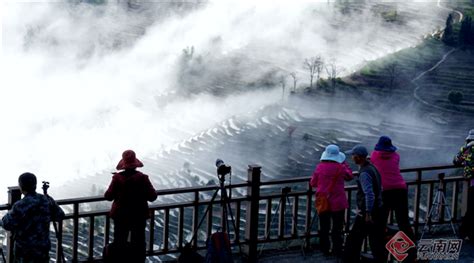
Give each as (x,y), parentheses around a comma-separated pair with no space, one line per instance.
(429,168)
(104,212)
(301,179)
(292,180)
(184,190)
(206,202)
(264,197)
(79,200)
(239,185)
(428,181)
(94,213)
(192,203)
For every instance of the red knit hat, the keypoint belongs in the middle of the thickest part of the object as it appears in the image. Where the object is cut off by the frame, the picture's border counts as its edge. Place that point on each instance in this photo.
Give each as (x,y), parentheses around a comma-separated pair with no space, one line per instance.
(129,161)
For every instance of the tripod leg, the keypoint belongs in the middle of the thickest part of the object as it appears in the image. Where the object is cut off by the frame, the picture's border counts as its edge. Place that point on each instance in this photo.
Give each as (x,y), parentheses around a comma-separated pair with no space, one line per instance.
(3,255)
(224,221)
(305,243)
(315,215)
(232,219)
(204,216)
(293,218)
(228,211)
(438,201)
(448,212)
(428,216)
(267,235)
(60,248)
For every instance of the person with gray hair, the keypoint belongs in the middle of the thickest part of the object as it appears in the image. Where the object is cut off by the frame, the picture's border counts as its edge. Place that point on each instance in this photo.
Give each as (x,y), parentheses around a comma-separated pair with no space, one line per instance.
(465,158)
(29,220)
(370,219)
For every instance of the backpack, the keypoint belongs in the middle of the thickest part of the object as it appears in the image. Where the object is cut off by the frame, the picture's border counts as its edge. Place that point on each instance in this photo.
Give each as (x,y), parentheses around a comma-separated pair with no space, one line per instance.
(218,248)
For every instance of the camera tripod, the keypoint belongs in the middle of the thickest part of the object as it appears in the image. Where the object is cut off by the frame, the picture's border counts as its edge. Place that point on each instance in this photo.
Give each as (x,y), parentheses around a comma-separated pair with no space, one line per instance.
(306,241)
(60,247)
(3,255)
(226,211)
(283,200)
(439,203)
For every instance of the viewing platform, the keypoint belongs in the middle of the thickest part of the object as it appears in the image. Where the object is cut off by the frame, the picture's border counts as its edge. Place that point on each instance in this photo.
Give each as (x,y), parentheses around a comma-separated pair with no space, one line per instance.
(269,216)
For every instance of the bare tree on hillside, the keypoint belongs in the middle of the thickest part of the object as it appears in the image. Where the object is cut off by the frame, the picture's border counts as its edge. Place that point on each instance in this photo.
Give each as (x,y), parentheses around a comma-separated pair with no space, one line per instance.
(315,66)
(310,64)
(333,72)
(319,68)
(293,75)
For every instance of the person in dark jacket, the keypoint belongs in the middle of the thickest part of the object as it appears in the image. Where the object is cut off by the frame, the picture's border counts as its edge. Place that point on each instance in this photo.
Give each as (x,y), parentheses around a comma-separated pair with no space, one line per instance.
(130,191)
(465,157)
(29,221)
(370,219)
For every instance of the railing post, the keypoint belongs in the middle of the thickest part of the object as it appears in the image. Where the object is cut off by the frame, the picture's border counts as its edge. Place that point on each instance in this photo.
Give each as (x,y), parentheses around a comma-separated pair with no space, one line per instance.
(253,204)
(75,232)
(464,195)
(416,203)
(14,195)
(195,218)
(442,186)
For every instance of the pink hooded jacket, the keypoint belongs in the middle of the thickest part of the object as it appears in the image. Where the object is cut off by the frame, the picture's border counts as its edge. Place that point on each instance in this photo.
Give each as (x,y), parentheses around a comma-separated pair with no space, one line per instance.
(388,165)
(324,176)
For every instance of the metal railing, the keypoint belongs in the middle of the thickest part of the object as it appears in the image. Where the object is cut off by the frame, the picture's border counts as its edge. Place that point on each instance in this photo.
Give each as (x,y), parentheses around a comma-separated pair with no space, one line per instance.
(256,206)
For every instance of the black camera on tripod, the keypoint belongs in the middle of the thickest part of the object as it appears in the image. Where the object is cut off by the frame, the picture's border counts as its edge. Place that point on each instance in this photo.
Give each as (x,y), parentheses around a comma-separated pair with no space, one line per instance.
(222,169)
(45,186)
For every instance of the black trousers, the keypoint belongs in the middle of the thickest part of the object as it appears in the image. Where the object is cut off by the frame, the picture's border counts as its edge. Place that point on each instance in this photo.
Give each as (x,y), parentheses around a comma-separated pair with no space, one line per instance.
(337,219)
(136,229)
(396,200)
(467,228)
(360,230)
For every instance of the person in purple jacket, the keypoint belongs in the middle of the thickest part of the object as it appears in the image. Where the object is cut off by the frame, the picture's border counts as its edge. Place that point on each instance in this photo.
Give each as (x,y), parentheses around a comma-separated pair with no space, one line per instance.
(329,177)
(394,188)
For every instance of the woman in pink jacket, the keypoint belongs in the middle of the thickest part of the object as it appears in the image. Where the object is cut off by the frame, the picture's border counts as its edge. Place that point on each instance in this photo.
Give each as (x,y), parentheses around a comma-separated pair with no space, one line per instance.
(328,177)
(395,193)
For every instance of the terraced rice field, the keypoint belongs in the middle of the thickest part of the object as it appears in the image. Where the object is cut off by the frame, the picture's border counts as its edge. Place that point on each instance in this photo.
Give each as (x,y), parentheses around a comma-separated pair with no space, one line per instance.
(455,73)
(266,140)
(409,63)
